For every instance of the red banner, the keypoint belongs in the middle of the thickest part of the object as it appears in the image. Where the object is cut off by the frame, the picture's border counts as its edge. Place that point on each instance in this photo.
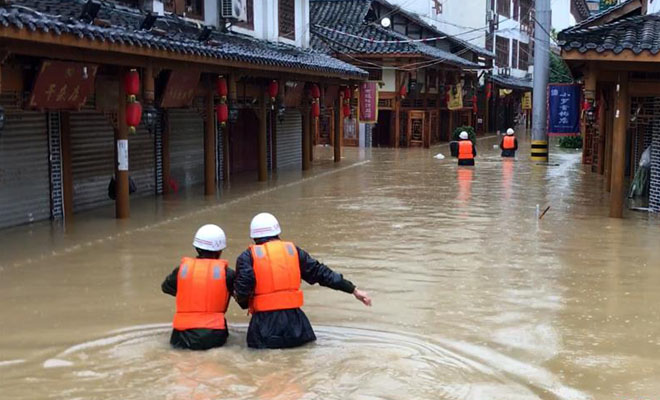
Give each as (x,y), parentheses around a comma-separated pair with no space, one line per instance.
(180,90)
(62,85)
(368,111)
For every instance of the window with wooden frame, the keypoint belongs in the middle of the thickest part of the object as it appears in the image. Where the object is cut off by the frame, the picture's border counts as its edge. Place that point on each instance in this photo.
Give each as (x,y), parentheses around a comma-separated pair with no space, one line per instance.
(249,10)
(523,59)
(504,8)
(287,18)
(516,9)
(525,15)
(432,78)
(189,8)
(514,53)
(375,74)
(501,52)
(489,41)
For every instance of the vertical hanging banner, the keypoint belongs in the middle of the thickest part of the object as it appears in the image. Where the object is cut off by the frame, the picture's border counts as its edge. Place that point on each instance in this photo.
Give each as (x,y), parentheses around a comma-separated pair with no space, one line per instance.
(563,109)
(455,100)
(527,101)
(368,108)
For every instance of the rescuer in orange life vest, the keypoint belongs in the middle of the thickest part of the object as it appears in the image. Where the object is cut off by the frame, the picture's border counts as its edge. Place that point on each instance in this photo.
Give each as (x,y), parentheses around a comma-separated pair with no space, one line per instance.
(509,144)
(267,282)
(202,287)
(466,149)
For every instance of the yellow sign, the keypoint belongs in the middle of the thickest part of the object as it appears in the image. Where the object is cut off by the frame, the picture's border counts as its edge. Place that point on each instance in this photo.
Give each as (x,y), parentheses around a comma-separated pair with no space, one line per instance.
(527,101)
(505,92)
(455,101)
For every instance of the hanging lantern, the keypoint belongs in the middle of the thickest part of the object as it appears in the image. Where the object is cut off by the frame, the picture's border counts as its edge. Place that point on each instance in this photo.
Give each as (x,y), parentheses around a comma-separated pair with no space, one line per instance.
(221,84)
(315,91)
(347,93)
(133,114)
(489,91)
(223,113)
(347,110)
(316,109)
(132,82)
(273,88)
(403,91)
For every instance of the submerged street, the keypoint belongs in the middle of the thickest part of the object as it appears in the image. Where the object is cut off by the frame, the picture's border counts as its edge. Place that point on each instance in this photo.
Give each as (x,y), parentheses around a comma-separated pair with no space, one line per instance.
(474,296)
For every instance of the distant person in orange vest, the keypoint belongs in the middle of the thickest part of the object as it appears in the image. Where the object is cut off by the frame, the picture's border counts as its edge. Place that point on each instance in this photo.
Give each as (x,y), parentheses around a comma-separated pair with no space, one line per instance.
(268,276)
(202,286)
(466,149)
(509,144)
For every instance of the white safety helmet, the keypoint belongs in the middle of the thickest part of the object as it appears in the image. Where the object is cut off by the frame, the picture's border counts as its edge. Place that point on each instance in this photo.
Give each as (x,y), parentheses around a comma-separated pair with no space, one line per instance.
(264,225)
(463,135)
(210,237)
(510,131)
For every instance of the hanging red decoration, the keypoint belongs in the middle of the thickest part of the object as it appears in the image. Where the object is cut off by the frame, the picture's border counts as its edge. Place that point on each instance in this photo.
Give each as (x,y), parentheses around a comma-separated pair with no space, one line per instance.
(347,93)
(315,91)
(132,82)
(133,114)
(221,84)
(316,109)
(347,110)
(273,89)
(223,113)
(489,91)
(475,106)
(403,91)
(586,105)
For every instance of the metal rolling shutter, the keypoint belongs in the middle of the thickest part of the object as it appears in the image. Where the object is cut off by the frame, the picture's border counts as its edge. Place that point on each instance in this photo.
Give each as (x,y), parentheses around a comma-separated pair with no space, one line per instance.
(142,161)
(186,147)
(92,159)
(24,171)
(289,140)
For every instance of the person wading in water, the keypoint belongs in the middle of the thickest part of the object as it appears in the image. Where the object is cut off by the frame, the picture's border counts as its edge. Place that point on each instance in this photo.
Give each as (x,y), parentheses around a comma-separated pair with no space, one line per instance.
(509,144)
(466,149)
(202,287)
(267,283)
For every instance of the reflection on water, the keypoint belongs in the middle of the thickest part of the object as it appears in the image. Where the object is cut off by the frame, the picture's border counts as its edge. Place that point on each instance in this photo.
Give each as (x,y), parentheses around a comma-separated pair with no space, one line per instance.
(474,296)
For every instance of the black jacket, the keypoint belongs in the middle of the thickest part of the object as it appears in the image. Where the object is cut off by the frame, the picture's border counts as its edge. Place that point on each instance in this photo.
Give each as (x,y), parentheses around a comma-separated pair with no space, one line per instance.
(509,152)
(283,328)
(197,339)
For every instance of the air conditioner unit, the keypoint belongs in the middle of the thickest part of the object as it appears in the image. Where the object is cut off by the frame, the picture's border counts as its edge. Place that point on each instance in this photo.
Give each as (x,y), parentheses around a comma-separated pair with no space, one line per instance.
(233,9)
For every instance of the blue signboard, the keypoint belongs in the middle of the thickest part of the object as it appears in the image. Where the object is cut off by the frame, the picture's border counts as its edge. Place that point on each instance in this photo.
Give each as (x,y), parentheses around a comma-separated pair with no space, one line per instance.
(564,109)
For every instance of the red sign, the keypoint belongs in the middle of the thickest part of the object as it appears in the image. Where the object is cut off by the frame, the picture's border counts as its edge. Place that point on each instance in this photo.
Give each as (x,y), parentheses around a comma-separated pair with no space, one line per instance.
(368,102)
(62,85)
(180,89)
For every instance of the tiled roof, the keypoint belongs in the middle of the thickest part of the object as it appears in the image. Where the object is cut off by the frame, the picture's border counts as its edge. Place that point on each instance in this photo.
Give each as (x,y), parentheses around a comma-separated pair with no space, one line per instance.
(512,82)
(638,34)
(331,21)
(595,17)
(172,34)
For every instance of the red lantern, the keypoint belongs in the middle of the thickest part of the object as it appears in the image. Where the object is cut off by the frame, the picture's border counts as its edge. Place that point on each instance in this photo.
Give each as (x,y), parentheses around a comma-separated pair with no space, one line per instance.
(489,90)
(403,91)
(347,110)
(315,91)
(273,88)
(222,87)
(223,113)
(132,82)
(316,109)
(586,105)
(347,93)
(133,114)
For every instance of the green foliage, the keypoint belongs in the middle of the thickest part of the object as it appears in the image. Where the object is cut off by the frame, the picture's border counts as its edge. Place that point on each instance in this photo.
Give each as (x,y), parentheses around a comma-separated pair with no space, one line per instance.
(559,71)
(468,129)
(570,142)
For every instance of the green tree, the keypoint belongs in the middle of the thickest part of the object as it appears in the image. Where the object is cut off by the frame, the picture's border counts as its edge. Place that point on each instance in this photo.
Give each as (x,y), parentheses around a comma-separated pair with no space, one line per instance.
(559,71)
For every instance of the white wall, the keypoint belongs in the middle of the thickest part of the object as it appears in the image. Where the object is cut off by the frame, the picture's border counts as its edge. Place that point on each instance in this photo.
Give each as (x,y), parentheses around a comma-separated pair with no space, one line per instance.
(561,15)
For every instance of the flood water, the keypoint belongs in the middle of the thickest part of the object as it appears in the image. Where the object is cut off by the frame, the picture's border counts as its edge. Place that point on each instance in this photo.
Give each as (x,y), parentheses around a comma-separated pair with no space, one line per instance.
(474,296)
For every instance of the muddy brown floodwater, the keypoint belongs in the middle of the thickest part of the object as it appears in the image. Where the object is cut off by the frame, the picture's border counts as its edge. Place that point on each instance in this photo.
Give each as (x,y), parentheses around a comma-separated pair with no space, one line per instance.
(474,297)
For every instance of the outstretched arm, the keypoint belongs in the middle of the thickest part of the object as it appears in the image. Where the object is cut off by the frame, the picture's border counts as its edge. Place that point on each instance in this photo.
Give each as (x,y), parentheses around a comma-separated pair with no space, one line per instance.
(312,271)
(169,284)
(244,280)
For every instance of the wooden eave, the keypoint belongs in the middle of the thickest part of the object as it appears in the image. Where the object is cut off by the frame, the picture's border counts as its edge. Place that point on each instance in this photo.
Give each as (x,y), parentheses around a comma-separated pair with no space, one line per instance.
(67,46)
(616,14)
(625,56)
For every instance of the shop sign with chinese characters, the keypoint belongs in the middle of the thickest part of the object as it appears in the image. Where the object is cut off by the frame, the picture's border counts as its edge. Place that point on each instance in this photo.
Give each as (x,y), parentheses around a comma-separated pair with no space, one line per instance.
(62,85)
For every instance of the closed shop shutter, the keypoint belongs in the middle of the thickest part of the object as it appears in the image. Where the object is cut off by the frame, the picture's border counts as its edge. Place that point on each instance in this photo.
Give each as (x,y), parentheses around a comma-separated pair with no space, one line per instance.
(92,159)
(142,162)
(24,170)
(186,147)
(289,140)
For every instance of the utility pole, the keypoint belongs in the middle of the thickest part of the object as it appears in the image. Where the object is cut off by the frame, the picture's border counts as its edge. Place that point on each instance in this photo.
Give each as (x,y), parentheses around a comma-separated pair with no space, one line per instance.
(542,22)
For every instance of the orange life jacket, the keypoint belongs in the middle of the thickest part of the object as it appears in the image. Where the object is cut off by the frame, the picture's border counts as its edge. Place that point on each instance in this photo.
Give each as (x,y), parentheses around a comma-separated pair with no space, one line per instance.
(201,294)
(465,150)
(509,143)
(277,272)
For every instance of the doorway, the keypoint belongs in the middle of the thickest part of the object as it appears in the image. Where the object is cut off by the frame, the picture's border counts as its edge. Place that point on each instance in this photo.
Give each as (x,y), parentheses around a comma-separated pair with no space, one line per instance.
(382,131)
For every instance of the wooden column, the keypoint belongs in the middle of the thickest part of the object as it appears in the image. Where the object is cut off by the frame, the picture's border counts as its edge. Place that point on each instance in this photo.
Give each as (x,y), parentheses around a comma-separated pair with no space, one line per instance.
(149,94)
(306,139)
(209,146)
(609,129)
(339,126)
(67,167)
(122,205)
(601,132)
(262,137)
(619,146)
(590,95)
